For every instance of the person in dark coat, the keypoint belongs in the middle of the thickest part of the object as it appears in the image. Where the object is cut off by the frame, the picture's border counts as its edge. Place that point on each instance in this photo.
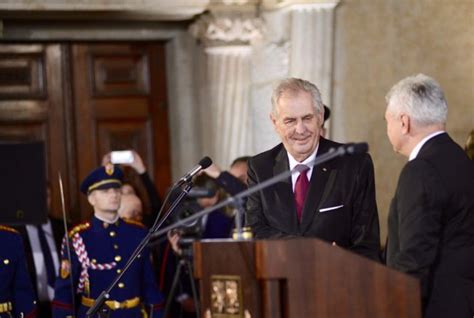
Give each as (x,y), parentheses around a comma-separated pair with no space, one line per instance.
(16,291)
(334,201)
(42,244)
(431,219)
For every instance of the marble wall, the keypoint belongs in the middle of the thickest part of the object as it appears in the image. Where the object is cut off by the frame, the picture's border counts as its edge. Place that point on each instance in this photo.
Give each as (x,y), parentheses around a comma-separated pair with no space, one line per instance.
(377,43)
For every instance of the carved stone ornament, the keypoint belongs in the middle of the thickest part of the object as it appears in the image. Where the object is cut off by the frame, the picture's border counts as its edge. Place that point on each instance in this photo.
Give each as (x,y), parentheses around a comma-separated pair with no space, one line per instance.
(227,30)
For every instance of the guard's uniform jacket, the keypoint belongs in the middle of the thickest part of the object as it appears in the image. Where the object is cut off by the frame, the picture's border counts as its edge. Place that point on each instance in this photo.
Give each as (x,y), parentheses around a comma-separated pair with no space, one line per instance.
(16,292)
(99,251)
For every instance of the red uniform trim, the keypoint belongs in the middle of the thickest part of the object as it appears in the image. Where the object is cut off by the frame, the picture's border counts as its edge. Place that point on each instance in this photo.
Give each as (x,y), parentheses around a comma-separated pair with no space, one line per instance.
(31,314)
(58,304)
(163,265)
(159,306)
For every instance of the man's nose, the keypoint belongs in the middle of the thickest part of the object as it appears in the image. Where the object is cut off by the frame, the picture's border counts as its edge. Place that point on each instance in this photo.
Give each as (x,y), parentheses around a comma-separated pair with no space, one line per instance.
(300,127)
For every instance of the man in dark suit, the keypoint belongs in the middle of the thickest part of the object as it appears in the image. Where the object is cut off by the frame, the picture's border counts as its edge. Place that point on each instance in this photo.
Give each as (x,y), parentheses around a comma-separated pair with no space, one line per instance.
(431,219)
(42,248)
(334,201)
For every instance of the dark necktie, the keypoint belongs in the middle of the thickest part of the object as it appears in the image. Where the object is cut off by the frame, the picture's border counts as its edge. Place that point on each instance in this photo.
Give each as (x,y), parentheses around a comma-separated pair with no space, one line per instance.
(48,258)
(301,189)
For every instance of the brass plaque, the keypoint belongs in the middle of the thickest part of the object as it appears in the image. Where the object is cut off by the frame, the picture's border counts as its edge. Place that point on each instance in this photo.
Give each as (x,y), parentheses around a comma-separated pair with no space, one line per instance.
(226,297)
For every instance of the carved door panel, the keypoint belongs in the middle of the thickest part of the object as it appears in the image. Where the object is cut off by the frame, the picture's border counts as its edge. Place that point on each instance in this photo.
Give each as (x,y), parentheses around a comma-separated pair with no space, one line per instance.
(83,100)
(120,103)
(32,107)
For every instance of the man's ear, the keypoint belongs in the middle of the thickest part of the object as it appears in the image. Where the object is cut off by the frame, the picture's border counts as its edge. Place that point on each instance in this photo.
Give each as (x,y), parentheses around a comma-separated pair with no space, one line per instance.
(91,198)
(405,121)
(273,119)
(320,116)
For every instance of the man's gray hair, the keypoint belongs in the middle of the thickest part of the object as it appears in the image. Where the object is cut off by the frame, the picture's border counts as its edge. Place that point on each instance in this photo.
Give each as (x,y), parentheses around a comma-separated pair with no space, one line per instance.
(294,86)
(421,97)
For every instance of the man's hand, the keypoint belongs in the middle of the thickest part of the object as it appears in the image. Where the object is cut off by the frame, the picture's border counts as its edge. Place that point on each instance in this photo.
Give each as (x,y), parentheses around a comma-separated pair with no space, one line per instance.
(173,237)
(213,171)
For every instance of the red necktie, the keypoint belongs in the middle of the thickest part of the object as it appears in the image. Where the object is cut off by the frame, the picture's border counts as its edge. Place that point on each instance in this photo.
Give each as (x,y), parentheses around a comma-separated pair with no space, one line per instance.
(301,189)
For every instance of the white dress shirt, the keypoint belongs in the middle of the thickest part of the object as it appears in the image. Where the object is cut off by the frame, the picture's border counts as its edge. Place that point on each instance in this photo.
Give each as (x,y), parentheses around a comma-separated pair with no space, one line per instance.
(417,148)
(293,163)
(45,292)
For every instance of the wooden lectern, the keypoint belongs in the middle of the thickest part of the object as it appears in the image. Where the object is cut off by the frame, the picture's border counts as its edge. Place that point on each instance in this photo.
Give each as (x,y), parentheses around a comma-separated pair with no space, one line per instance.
(298,278)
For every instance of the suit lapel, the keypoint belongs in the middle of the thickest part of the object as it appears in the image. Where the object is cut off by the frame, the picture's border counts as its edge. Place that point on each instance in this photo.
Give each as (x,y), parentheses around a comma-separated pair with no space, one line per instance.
(284,190)
(319,180)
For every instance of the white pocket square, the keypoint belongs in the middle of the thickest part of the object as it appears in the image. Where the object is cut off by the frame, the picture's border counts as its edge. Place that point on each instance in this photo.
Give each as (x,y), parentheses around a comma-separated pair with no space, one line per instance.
(331,208)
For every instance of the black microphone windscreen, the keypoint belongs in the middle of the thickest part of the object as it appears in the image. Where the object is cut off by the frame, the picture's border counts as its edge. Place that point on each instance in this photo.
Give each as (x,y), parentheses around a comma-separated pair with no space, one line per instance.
(205,162)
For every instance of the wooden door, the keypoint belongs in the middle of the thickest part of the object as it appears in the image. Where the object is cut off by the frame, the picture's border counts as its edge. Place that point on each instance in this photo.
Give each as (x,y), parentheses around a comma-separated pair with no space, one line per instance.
(83,100)
(32,107)
(120,103)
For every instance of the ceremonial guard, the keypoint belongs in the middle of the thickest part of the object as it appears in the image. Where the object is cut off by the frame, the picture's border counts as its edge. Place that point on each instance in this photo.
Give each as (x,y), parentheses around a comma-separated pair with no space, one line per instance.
(99,250)
(16,291)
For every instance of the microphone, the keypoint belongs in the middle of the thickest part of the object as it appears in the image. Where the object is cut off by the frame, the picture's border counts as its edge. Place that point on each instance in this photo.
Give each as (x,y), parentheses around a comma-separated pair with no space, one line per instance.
(356,148)
(203,164)
(351,149)
(197,192)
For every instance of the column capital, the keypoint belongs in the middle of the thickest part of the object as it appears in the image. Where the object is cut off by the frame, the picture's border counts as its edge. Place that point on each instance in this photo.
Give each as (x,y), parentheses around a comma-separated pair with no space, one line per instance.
(228,28)
(316,4)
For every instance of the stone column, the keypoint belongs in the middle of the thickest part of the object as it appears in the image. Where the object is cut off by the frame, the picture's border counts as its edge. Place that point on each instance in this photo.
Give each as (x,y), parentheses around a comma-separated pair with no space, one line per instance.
(298,43)
(224,82)
(312,37)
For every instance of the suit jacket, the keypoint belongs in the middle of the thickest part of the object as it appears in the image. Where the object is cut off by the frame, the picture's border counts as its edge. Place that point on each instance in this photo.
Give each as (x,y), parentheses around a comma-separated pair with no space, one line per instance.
(339,207)
(431,227)
(58,233)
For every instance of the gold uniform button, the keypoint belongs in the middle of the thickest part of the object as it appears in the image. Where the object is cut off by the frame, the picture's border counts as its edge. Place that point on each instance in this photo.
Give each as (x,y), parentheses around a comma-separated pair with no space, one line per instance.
(121,285)
(112,233)
(6,261)
(119,271)
(115,247)
(94,261)
(118,258)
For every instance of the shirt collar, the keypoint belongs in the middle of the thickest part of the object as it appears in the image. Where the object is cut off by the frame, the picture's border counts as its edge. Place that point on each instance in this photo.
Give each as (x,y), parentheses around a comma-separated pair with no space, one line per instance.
(103,220)
(416,150)
(293,162)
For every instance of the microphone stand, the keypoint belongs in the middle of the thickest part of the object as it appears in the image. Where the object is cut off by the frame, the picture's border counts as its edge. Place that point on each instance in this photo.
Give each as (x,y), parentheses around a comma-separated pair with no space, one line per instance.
(100,301)
(331,154)
(238,204)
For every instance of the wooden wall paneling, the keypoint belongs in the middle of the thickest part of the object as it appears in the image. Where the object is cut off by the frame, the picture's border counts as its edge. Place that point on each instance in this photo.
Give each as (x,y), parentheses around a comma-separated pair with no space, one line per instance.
(159,113)
(31,103)
(58,137)
(115,107)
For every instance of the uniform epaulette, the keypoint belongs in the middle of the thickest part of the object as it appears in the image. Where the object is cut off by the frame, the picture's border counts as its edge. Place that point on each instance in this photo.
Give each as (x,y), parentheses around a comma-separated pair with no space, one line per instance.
(8,229)
(79,228)
(133,222)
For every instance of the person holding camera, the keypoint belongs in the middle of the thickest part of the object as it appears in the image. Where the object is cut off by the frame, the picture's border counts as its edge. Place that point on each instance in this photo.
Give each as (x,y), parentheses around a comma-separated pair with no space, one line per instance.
(217,224)
(131,205)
